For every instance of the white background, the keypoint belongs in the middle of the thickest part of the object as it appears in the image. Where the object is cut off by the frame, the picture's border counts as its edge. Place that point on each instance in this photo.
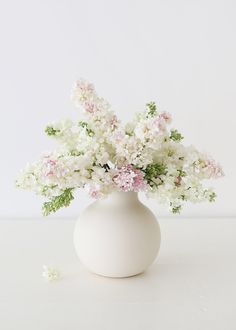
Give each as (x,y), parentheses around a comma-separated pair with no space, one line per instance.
(179,53)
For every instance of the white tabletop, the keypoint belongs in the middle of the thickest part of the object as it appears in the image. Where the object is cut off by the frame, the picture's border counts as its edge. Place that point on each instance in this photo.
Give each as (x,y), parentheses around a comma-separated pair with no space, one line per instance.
(191,286)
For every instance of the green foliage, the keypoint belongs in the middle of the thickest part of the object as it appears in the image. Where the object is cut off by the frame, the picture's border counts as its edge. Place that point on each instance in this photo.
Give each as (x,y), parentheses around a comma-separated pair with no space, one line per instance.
(76,153)
(50,131)
(152,109)
(176,209)
(58,202)
(182,173)
(212,197)
(153,171)
(176,136)
(83,124)
(89,131)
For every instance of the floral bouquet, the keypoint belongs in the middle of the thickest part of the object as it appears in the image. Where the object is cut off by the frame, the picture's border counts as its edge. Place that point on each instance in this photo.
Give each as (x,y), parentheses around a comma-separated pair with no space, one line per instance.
(100,154)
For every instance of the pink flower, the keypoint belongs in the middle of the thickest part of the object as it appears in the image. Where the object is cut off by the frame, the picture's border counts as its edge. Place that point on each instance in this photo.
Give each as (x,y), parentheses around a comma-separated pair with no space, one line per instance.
(53,168)
(128,178)
(90,107)
(114,122)
(49,166)
(94,193)
(50,173)
(159,122)
(82,92)
(166,116)
(214,170)
(178,180)
(84,87)
(51,162)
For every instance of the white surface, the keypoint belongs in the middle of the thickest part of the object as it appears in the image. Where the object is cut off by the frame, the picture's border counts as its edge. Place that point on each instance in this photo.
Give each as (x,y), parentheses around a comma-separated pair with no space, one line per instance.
(179,53)
(192,286)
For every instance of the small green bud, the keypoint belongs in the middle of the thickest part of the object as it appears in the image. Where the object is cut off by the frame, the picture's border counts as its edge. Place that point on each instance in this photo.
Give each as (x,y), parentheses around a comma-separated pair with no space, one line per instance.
(212,197)
(176,209)
(49,130)
(152,108)
(176,136)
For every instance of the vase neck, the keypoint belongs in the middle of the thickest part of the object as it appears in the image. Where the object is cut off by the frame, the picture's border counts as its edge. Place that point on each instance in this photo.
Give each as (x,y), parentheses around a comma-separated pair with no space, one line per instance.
(123,196)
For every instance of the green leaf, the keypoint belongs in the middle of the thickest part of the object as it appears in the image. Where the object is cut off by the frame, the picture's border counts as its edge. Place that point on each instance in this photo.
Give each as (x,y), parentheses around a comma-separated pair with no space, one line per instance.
(152,109)
(182,173)
(75,152)
(212,197)
(176,136)
(49,130)
(83,124)
(58,202)
(176,209)
(89,131)
(153,171)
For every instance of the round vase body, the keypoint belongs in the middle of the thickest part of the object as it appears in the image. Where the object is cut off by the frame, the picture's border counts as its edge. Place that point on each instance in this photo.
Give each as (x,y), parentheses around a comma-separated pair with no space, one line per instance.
(117,236)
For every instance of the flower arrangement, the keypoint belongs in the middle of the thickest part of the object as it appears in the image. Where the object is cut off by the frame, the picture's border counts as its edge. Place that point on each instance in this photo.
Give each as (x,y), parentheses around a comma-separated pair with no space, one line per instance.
(100,154)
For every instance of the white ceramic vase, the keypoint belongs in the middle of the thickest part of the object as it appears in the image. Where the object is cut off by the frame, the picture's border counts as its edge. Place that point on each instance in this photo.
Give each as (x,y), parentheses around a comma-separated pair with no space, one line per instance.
(117,236)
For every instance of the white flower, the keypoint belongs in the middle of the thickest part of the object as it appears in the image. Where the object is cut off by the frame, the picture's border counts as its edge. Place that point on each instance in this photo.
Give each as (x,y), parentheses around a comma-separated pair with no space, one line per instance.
(92,148)
(50,273)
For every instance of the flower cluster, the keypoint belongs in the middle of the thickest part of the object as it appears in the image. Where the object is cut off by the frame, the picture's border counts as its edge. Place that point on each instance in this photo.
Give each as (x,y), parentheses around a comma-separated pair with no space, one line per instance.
(100,154)
(129,178)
